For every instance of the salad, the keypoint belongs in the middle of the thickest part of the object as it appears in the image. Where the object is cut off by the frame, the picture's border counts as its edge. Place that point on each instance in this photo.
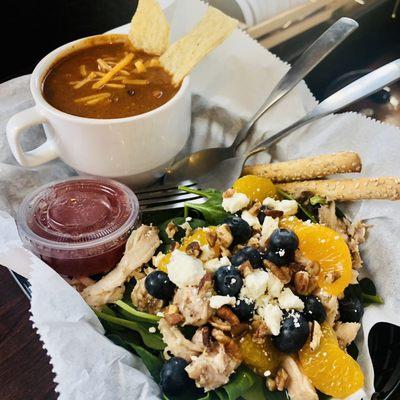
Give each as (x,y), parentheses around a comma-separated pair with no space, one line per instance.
(252,294)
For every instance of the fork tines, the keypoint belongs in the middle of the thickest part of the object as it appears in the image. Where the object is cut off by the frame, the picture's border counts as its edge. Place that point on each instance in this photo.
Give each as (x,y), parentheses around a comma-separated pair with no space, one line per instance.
(164,197)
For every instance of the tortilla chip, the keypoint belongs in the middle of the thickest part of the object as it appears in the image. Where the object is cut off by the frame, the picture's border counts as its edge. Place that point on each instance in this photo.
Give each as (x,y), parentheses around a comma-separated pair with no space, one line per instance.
(149,28)
(188,51)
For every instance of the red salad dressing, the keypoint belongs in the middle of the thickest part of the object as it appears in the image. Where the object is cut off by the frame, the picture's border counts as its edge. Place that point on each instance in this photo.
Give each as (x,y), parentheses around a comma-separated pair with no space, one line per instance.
(78,226)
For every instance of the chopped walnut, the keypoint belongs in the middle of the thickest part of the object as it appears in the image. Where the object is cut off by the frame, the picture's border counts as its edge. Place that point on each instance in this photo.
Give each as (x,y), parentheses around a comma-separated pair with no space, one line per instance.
(143,300)
(174,319)
(173,246)
(193,249)
(316,335)
(228,315)
(254,241)
(171,230)
(239,329)
(255,208)
(304,264)
(281,379)
(261,333)
(230,345)
(273,213)
(284,274)
(211,237)
(225,252)
(302,283)
(219,323)
(271,385)
(228,193)
(206,336)
(246,269)
(224,235)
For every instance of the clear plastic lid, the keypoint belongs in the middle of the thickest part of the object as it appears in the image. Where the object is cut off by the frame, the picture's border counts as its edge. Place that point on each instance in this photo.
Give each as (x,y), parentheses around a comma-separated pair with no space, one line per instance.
(80,216)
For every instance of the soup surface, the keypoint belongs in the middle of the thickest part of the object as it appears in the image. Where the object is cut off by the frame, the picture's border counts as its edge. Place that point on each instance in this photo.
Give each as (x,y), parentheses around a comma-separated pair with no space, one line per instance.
(108,81)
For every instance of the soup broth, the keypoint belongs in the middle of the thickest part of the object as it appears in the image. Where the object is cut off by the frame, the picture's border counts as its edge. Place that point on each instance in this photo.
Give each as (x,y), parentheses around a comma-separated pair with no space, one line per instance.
(80,83)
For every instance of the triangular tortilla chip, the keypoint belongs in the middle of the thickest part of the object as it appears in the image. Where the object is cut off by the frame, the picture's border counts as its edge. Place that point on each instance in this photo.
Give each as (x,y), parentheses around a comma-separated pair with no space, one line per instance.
(149,28)
(187,52)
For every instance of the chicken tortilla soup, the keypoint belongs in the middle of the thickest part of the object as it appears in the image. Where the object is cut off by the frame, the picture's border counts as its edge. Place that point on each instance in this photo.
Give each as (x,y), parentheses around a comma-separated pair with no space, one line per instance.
(109,80)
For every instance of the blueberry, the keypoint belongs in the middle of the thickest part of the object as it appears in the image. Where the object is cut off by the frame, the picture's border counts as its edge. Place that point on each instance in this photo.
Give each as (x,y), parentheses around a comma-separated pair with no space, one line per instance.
(244,309)
(228,281)
(293,334)
(173,377)
(283,239)
(248,254)
(313,309)
(159,285)
(240,229)
(282,246)
(351,309)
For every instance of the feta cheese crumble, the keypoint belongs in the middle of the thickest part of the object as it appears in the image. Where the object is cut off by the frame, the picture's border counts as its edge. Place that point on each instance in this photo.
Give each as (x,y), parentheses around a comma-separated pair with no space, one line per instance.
(219,301)
(215,263)
(235,203)
(184,270)
(269,225)
(272,316)
(252,220)
(152,329)
(288,300)
(275,285)
(255,284)
(288,207)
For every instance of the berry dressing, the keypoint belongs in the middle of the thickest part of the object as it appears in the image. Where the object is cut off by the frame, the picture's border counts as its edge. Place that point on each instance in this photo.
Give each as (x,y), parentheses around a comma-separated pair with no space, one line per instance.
(78,226)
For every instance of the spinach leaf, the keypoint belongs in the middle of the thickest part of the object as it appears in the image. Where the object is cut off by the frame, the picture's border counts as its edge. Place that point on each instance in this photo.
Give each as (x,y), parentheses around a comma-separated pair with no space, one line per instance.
(151,340)
(317,200)
(239,383)
(128,289)
(302,208)
(137,315)
(364,292)
(211,209)
(151,361)
(194,223)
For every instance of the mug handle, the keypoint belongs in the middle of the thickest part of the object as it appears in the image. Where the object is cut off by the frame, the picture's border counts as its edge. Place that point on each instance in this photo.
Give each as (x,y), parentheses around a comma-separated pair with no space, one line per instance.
(16,126)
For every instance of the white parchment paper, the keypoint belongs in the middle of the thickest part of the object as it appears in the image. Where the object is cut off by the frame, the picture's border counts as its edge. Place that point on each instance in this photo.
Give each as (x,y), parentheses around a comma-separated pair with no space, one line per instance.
(228,86)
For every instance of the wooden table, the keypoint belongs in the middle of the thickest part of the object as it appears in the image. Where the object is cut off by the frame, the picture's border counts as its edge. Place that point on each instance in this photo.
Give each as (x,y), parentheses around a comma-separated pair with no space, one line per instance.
(25,372)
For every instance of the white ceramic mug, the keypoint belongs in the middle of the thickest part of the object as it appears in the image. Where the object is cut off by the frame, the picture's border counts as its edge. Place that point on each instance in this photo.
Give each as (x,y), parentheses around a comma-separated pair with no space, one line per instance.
(134,150)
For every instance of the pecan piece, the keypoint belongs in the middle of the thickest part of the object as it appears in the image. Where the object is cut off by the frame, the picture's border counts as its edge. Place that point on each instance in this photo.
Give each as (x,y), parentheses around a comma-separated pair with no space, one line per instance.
(224,235)
(246,269)
(281,379)
(231,347)
(171,230)
(302,282)
(174,319)
(193,249)
(228,315)
(219,323)
(273,213)
(284,274)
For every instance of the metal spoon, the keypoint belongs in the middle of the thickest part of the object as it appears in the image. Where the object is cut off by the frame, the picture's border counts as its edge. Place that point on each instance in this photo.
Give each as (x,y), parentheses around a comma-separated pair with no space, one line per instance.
(227,171)
(202,161)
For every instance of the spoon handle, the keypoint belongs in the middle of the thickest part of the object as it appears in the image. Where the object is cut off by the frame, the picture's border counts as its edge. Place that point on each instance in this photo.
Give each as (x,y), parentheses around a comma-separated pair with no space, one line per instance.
(355,91)
(310,58)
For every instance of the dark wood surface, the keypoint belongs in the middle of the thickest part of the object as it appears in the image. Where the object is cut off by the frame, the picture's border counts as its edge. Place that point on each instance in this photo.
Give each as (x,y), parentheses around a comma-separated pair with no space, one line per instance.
(25,372)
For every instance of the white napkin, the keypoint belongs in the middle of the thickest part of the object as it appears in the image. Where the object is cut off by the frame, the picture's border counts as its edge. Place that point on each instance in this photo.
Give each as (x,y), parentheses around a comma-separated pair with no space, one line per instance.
(229,85)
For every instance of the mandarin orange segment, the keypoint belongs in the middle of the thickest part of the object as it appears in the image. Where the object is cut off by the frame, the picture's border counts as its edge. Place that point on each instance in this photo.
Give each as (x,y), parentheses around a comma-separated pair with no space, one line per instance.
(259,357)
(324,245)
(162,265)
(330,369)
(256,188)
(200,235)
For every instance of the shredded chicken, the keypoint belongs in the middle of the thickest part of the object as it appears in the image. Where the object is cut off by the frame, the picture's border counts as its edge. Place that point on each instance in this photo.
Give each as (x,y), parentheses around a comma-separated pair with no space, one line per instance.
(212,368)
(176,343)
(298,385)
(193,305)
(331,305)
(346,332)
(353,233)
(139,249)
(143,300)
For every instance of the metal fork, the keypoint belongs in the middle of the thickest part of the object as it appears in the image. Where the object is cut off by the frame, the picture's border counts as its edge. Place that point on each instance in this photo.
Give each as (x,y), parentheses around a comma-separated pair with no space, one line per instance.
(225,173)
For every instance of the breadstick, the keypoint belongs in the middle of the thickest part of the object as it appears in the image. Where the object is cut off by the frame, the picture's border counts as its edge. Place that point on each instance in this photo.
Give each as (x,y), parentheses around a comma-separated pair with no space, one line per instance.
(307,168)
(385,188)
